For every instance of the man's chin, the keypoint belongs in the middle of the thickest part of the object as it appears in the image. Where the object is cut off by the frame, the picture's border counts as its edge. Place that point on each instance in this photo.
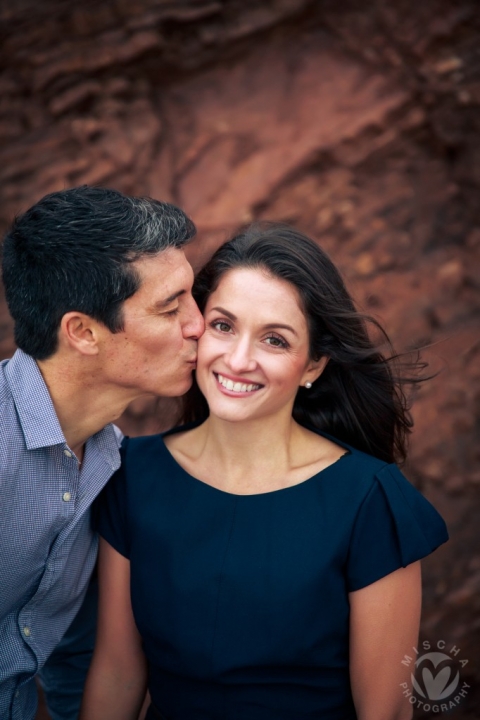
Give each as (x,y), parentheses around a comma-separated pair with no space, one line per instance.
(176,390)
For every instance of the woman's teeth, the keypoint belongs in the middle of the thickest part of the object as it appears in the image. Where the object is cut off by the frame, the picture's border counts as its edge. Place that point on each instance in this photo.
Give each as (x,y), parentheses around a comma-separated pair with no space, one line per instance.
(236,386)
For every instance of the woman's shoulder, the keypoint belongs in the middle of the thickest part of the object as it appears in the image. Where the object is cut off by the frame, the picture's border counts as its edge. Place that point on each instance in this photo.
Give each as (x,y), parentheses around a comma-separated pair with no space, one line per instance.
(368,483)
(361,466)
(181,436)
(141,445)
(151,457)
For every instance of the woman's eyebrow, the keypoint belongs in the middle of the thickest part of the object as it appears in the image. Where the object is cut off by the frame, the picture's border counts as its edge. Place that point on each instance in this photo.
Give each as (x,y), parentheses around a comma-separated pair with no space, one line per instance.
(269,326)
(275,326)
(225,312)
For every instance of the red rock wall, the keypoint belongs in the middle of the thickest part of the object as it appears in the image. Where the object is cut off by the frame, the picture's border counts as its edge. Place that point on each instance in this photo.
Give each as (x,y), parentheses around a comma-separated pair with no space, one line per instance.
(357,122)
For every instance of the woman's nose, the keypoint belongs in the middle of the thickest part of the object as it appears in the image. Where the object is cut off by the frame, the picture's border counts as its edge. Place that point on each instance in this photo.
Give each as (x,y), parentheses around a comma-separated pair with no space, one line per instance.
(241,357)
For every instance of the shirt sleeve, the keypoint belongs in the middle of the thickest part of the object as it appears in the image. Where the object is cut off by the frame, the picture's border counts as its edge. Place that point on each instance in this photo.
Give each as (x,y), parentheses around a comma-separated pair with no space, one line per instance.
(111,516)
(395,526)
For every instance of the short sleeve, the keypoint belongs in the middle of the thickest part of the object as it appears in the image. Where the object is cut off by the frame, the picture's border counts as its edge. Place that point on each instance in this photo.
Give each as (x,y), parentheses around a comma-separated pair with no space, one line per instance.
(110,512)
(395,526)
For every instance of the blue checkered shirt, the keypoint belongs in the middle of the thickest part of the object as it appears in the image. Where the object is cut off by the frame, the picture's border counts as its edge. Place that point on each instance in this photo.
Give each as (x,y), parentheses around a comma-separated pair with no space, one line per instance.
(47,547)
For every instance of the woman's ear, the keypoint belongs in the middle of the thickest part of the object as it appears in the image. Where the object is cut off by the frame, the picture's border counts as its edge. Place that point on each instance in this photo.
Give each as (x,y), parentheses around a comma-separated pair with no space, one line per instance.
(314,370)
(79,332)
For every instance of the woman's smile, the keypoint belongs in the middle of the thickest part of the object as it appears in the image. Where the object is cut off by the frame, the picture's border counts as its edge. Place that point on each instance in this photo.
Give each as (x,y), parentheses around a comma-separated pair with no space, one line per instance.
(236,386)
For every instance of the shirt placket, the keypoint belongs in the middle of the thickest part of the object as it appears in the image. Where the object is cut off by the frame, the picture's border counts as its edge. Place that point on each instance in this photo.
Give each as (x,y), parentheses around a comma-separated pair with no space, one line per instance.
(67,496)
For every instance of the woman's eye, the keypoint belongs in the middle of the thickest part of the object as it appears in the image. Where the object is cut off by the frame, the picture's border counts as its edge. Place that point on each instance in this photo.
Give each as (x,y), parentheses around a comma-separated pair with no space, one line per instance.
(172,313)
(275,341)
(221,325)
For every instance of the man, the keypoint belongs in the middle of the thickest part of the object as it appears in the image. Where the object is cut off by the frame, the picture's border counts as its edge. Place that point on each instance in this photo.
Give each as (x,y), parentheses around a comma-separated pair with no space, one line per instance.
(100,292)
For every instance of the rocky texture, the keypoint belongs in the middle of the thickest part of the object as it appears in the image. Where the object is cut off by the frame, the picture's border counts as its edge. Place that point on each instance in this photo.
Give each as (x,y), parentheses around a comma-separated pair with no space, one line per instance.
(357,122)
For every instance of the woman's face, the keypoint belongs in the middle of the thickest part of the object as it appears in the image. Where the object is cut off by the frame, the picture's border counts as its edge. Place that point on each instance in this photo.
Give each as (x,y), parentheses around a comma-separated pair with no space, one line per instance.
(254,353)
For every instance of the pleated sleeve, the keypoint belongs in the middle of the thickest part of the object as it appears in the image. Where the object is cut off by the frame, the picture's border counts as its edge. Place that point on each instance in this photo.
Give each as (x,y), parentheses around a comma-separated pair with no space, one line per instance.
(395,526)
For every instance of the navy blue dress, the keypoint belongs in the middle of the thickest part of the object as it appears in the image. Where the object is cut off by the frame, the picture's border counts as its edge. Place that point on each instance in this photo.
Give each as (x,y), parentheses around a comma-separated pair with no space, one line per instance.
(242,600)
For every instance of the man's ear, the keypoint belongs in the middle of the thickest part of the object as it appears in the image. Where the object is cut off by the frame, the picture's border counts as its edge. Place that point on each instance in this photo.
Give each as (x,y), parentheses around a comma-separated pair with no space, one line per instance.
(315,369)
(79,332)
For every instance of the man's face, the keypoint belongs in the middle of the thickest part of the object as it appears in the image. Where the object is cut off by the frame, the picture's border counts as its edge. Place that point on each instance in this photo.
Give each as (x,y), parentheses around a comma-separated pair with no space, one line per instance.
(156,350)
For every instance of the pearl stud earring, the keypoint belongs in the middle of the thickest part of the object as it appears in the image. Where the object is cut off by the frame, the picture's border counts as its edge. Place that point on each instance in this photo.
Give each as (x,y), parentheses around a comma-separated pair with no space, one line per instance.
(308,385)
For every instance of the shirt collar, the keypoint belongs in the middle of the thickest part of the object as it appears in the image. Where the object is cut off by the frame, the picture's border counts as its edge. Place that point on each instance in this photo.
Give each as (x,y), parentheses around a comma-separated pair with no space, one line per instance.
(36,412)
(33,402)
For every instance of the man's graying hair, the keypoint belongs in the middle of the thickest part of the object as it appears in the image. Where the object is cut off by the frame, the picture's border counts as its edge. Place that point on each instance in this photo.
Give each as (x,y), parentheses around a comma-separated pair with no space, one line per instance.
(73,251)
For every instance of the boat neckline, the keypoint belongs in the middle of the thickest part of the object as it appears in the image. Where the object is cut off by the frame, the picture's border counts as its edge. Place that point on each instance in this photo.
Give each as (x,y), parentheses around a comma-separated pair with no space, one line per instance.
(183,428)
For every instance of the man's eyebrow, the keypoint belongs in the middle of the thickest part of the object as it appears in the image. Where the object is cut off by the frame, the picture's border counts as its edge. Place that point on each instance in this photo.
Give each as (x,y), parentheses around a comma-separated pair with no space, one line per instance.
(164,303)
(269,326)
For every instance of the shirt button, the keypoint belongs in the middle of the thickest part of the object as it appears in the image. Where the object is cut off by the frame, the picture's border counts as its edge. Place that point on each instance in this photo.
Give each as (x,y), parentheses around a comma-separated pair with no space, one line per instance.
(26,631)
(67,453)
(66,497)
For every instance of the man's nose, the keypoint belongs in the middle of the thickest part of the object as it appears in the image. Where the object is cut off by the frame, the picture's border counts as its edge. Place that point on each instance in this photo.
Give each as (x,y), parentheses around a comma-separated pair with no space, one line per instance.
(195,326)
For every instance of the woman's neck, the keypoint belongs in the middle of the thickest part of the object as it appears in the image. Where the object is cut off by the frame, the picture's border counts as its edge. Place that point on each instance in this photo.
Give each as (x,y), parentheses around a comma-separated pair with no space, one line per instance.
(247,456)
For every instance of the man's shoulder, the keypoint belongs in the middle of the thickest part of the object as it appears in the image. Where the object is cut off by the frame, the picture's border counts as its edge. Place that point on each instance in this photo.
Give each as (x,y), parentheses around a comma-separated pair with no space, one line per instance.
(14,376)
(4,389)
(5,397)
(8,415)
(12,440)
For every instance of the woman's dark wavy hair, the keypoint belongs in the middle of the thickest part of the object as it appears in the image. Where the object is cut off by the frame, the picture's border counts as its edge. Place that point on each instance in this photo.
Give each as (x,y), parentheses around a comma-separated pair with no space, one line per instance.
(360,397)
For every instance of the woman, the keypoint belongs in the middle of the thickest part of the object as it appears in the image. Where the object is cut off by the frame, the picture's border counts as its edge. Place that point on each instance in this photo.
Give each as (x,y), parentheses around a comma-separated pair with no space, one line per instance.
(272,546)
